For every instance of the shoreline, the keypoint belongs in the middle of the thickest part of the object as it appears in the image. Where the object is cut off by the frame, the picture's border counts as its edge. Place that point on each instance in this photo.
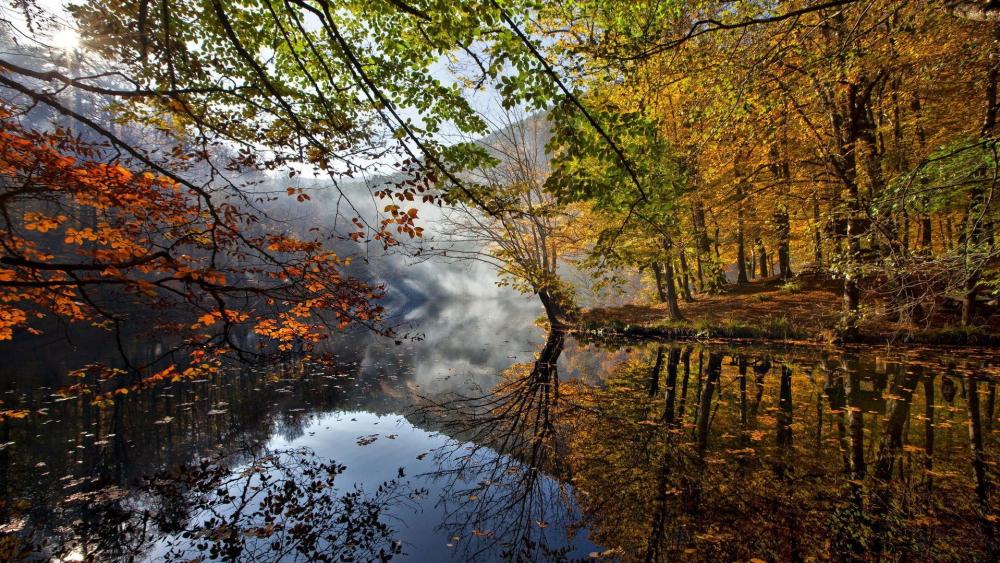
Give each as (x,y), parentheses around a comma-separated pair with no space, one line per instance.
(764,311)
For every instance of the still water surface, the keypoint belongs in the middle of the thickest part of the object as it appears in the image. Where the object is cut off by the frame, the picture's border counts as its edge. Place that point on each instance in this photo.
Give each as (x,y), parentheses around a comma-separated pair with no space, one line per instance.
(488,440)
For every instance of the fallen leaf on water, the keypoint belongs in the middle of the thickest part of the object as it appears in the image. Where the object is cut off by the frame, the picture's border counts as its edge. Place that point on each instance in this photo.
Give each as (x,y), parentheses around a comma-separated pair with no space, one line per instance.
(365,440)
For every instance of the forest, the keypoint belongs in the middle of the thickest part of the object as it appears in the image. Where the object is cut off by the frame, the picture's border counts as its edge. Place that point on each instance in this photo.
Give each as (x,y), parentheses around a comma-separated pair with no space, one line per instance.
(638,280)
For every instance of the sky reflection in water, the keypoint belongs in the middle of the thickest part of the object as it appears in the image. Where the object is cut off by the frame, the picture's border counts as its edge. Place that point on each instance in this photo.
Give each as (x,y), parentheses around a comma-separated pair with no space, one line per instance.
(461,447)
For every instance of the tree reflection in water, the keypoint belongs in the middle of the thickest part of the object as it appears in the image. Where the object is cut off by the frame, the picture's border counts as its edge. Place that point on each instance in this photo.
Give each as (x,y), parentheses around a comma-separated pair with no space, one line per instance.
(678,453)
(275,506)
(252,505)
(634,452)
(507,490)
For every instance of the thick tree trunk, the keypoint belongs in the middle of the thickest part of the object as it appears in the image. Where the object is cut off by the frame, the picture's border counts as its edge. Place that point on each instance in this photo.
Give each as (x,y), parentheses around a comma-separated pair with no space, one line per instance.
(553,310)
(658,276)
(672,306)
(851,117)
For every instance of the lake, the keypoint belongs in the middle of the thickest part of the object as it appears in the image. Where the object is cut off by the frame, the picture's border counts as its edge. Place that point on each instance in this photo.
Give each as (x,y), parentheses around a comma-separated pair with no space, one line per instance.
(482,438)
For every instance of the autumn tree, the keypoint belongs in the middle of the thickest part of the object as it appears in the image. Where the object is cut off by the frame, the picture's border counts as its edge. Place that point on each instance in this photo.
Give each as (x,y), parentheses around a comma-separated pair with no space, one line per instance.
(86,238)
(133,170)
(818,131)
(512,222)
(640,202)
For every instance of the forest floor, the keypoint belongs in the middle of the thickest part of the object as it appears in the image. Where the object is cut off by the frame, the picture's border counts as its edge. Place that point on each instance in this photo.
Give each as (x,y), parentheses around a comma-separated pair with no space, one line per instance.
(806,309)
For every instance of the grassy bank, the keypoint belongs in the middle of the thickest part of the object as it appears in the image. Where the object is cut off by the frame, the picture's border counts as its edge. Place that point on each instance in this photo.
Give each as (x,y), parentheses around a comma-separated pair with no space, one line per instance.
(806,311)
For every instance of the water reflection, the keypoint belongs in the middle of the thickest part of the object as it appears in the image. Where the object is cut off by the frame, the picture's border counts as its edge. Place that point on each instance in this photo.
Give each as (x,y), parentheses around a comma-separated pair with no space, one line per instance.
(820,446)
(522,507)
(476,449)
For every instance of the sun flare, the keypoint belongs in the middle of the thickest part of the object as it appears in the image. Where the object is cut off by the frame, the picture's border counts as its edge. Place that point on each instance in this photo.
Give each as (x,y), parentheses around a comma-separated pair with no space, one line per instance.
(66,39)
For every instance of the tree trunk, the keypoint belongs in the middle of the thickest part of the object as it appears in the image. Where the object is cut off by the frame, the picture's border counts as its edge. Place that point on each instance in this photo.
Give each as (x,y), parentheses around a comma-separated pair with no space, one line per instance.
(926,233)
(817,233)
(741,260)
(782,229)
(702,247)
(761,257)
(700,271)
(783,233)
(658,275)
(924,226)
(553,310)
(719,280)
(685,277)
(741,253)
(672,306)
